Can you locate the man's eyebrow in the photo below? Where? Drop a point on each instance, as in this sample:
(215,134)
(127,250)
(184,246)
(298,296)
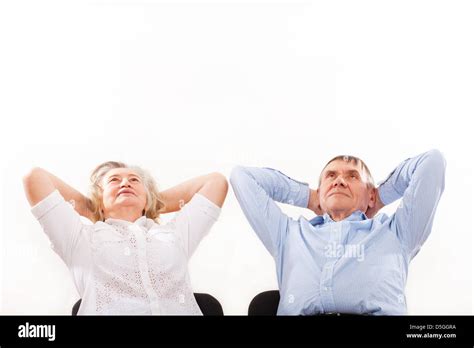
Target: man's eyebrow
(349,171)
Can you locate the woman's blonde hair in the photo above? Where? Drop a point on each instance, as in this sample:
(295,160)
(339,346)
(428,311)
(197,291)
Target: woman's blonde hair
(154,204)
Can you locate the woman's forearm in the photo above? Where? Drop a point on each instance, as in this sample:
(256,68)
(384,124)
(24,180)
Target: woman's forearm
(213,186)
(39,183)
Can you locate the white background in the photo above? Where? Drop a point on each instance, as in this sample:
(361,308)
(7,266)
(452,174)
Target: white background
(185,88)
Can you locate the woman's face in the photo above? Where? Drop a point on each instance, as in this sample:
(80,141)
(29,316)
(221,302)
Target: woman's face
(123,188)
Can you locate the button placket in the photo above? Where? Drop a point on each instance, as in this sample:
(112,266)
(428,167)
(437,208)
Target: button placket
(327,299)
(143,269)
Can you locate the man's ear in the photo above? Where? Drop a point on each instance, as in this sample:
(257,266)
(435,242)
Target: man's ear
(372,197)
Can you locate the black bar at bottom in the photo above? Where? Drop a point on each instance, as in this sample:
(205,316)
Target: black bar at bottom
(133,330)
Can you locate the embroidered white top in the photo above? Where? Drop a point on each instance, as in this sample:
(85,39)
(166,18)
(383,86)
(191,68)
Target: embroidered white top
(128,268)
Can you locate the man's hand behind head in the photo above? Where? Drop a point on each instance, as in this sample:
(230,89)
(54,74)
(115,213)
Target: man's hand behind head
(313,203)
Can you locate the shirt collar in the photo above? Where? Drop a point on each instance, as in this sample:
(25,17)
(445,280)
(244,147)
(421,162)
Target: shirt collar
(142,221)
(323,219)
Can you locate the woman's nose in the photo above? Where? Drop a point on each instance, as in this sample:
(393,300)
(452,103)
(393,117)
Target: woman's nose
(125,182)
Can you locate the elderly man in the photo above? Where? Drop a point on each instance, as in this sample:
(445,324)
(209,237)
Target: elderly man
(346,259)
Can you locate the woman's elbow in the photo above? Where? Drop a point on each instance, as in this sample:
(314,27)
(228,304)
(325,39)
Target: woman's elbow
(220,182)
(216,188)
(32,175)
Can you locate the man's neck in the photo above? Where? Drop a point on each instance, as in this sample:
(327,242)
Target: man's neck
(340,215)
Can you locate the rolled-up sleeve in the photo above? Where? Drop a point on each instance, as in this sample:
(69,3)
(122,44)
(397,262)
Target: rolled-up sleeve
(194,221)
(60,222)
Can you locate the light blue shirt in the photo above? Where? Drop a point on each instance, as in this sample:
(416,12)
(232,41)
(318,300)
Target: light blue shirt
(357,265)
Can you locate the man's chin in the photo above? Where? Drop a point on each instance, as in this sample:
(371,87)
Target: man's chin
(338,201)
(338,207)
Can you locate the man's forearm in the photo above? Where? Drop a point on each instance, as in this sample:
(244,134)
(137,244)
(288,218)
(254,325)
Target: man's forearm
(410,172)
(279,187)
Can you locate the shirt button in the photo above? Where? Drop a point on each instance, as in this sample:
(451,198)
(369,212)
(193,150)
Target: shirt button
(126,251)
(326,288)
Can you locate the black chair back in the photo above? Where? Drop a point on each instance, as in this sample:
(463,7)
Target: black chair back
(208,304)
(265,303)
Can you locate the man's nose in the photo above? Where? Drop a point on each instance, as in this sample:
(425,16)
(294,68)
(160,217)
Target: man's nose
(339,181)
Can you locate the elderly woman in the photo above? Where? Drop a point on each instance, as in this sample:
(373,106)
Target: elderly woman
(126,262)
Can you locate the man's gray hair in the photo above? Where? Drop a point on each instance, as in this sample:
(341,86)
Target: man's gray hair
(357,161)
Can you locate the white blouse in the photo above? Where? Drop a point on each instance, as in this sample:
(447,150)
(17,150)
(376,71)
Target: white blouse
(128,268)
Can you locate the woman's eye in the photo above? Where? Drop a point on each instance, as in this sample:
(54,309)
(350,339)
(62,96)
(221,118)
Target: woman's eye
(113,179)
(135,179)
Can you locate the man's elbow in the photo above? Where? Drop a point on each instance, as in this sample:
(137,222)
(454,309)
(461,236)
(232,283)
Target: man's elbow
(437,158)
(235,174)
(438,166)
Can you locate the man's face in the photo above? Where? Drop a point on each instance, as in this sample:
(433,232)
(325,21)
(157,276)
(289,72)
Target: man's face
(344,188)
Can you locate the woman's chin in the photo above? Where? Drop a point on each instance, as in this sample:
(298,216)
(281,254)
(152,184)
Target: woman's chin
(127,201)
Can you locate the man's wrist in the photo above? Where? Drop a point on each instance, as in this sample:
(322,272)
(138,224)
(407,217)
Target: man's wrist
(311,199)
(313,202)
